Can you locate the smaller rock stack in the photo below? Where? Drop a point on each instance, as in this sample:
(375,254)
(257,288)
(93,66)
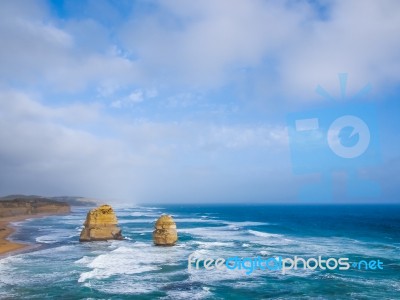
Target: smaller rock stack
(165,233)
(101,225)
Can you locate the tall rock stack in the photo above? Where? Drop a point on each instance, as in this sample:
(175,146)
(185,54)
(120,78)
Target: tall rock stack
(165,233)
(101,225)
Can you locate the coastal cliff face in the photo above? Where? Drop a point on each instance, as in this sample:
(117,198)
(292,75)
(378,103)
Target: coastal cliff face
(100,225)
(165,233)
(20,207)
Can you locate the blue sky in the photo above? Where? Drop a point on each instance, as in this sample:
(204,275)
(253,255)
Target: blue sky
(188,101)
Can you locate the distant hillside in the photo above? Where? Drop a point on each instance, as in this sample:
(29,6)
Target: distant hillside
(18,196)
(77,201)
(31,206)
(72,201)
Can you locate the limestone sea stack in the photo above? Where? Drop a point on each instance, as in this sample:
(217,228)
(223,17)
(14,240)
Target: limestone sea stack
(101,225)
(165,233)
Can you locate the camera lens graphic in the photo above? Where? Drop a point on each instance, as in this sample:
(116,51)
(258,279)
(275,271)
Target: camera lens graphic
(358,128)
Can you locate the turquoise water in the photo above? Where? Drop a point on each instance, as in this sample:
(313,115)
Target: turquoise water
(63,268)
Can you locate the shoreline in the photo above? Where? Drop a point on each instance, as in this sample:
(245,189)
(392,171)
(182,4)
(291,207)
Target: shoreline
(9,247)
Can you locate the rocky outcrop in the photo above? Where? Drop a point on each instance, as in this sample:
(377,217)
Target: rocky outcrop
(165,233)
(32,206)
(101,225)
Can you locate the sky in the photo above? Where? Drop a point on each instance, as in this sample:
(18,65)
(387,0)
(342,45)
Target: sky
(197,101)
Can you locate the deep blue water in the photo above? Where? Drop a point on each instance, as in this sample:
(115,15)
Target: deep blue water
(63,268)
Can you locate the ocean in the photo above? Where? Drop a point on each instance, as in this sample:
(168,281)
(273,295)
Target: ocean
(63,268)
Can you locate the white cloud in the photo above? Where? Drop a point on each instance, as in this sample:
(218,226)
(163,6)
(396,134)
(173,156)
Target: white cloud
(287,45)
(130,100)
(35,51)
(136,96)
(45,150)
(212,38)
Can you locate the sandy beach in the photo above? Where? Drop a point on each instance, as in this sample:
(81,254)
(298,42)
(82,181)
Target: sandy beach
(6,229)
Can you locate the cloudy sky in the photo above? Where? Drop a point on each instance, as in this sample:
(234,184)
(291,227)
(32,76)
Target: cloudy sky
(189,101)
